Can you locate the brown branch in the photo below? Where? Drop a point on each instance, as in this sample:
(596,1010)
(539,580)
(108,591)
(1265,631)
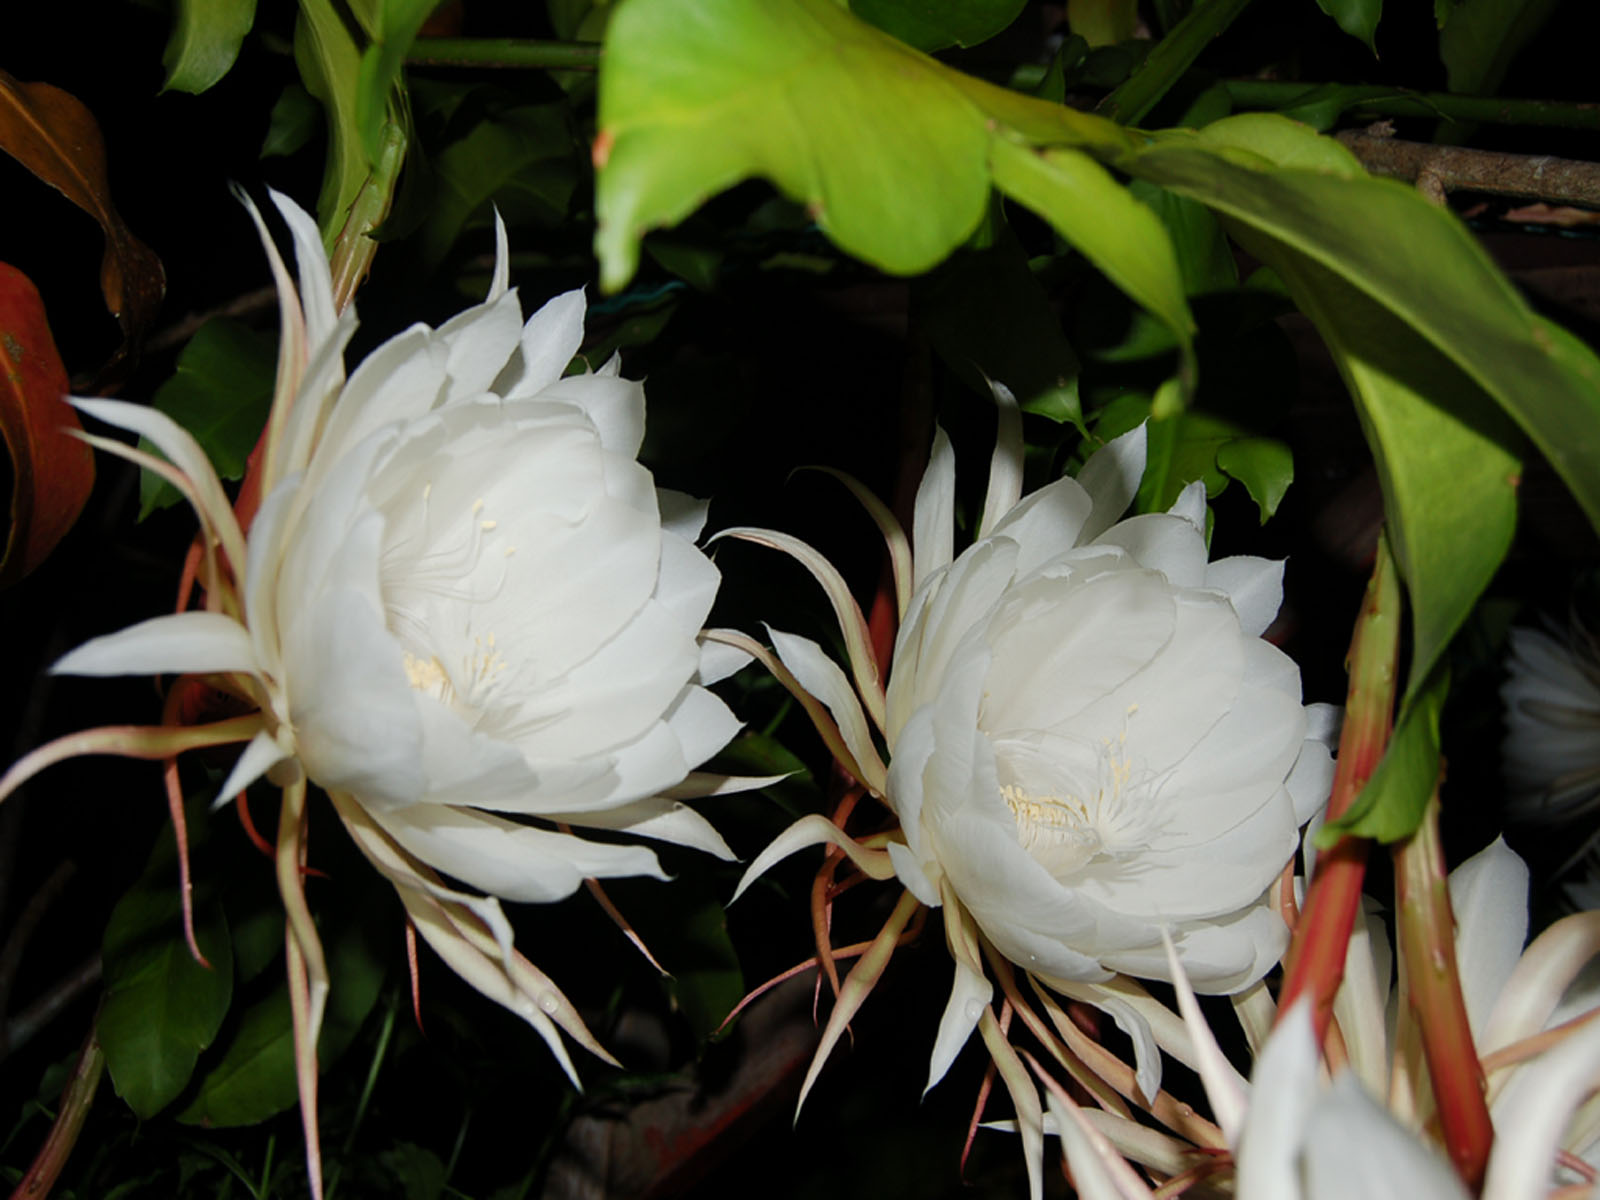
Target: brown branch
(19,1030)
(1456,169)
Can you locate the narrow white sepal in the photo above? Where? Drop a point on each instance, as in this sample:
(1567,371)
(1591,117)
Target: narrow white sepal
(189,643)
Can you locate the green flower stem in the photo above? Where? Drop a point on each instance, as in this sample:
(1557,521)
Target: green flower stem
(1371,100)
(1314,965)
(1426,932)
(521,53)
(353,250)
(76,1099)
(1169,59)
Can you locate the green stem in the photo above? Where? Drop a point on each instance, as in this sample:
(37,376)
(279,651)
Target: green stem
(1170,58)
(1426,932)
(354,248)
(76,1099)
(1371,100)
(504,52)
(1314,965)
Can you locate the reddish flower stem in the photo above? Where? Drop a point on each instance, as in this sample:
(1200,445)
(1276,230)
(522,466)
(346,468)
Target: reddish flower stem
(76,1099)
(1314,965)
(1425,928)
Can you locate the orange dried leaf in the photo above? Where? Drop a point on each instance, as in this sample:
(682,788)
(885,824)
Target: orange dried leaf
(52,471)
(51,133)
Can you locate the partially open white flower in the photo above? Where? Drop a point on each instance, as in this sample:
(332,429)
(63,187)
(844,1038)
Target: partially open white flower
(1552,744)
(1090,739)
(462,602)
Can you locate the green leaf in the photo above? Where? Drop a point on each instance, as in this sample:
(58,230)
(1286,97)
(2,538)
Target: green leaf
(1264,465)
(220,392)
(205,40)
(397,26)
(934,24)
(1391,804)
(989,318)
(515,155)
(1358,18)
(292,124)
(252,1075)
(330,63)
(1415,265)
(161,1007)
(1480,39)
(1205,261)
(1103,22)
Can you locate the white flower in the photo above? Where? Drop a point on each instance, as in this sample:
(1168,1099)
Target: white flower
(462,604)
(1091,742)
(1551,754)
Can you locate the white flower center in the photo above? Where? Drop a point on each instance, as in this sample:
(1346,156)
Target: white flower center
(1057,831)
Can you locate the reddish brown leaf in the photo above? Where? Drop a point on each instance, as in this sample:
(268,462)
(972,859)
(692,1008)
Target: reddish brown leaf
(52,472)
(51,133)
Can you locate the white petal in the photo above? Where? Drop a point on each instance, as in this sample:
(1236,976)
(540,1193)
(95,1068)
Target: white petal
(969,996)
(682,514)
(1390,1164)
(655,817)
(1047,523)
(1489,896)
(933,521)
(914,875)
(1191,506)
(825,680)
(686,585)
(260,756)
(189,643)
(316,282)
(500,281)
(718,661)
(479,341)
(614,404)
(1005,468)
(1089,1169)
(1111,478)
(550,339)
(1253,585)
(504,859)
(1163,543)
(702,723)
(1534,1112)
(1283,1091)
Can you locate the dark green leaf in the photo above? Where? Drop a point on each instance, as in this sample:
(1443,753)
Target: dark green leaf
(161,1007)
(934,24)
(220,393)
(989,318)
(419,1173)
(292,124)
(205,40)
(1264,465)
(1204,258)
(252,1076)
(1358,18)
(1391,804)
(1479,39)
(397,25)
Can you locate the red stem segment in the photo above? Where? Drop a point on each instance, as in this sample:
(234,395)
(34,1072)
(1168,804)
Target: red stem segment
(1427,936)
(1314,965)
(76,1098)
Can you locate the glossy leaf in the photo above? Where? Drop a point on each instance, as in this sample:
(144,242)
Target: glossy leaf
(205,40)
(1264,465)
(934,24)
(1358,18)
(220,393)
(253,1076)
(1479,38)
(55,137)
(51,472)
(161,1007)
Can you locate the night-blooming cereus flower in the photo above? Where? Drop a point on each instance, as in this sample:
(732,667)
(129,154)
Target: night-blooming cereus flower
(462,604)
(1552,706)
(1089,741)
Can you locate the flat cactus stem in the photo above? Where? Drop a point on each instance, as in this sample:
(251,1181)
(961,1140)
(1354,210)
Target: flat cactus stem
(1314,965)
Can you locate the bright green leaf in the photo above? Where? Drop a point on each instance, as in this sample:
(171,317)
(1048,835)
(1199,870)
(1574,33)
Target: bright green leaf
(934,24)
(220,393)
(161,1007)
(205,40)
(1103,22)
(1264,465)
(1358,18)
(1481,37)
(1391,804)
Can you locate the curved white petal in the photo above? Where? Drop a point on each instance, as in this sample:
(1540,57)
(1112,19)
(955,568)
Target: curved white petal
(1111,478)
(1005,468)
(189,643)
(1254,586)
(549,341)
(1489,897)
(658,818)
(933,519)
(824,679)
(1392,1164)
(969,996)
(261,754)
